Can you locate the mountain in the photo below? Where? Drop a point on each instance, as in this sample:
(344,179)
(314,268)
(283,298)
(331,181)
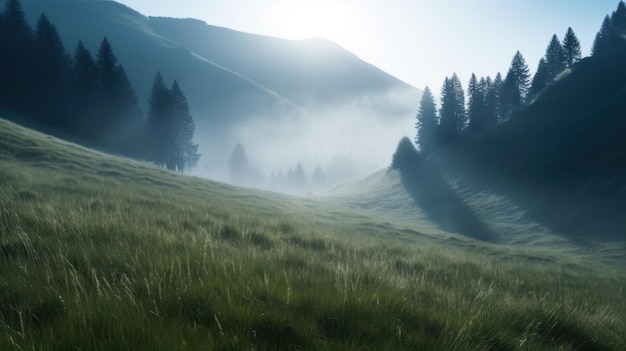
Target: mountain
(561,160)
(239,84)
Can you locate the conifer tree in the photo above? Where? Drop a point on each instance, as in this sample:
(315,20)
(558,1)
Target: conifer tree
(238,165)
(514,87)
(540,80)
(186,151)
(16,53)
(52,71)
(493,100)
(476,108)
(571,47)
(555,59)
(159,123)
(84,90)
(602,40)
(426,122)
(452,116)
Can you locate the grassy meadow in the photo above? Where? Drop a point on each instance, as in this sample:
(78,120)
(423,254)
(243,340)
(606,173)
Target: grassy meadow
(104,253)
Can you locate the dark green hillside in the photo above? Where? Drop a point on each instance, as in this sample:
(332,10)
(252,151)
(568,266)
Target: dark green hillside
(563,158)
(103,253)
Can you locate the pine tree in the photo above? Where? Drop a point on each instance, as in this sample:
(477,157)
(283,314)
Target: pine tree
(426,122)
(571,47)
(186,151)
(515,86)
(476,108)
(603,39)
(84,90)
(555,59)
(238,165)
(540,80)
(318,180)
(299,179)
(618,23)
(493,100)
(452,116)
(52,71)
(17,54)
(158,124)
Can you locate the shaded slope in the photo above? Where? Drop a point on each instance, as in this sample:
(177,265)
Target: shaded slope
(563,158)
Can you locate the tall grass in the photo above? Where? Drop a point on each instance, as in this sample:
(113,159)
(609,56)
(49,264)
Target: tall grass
(100,253)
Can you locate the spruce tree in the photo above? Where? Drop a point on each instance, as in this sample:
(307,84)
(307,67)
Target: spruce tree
(52,71)
(186,151)
(159,124)
(540,80)
(238,165)
(452,116)
(603,39)
(426,122)
(84,90)
(476,109)
(493,100)
(514,87)
(555,59)
(571,47)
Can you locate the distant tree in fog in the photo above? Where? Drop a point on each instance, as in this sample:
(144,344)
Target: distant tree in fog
(571,47)
(318,180)
(426,122)
(476,107)
(406,155)
(238,165)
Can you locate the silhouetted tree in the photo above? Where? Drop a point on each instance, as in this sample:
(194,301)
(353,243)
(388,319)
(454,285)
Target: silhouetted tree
(540,80)
(159,124)
(299,181)
(118,117)
(476,107)
(186,152)
(452,116)
(555,59)
(16,57)
(53,71)
(84,91)
(515,86)
(571,47)
(613,30)
(603,38)
(405,156)
(426,122)
(492,100)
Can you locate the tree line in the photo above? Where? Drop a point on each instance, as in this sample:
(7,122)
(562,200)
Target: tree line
(89,99)
(492,101)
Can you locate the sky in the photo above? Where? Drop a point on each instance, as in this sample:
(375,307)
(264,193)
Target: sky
(420,42)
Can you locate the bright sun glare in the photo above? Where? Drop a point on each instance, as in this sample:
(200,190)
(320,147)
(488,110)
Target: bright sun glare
(316,18)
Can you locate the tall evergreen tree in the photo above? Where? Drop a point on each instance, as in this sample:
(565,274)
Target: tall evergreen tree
(186,151)
(602,40)
(555,59)
(618,23)
(571,47)
(17,53)
(52,71)
(159,124)
(118,115)
(452,116)
(515,86)
(238,165)
(476,108)
(493,100)
(84,91)
(540,80)
(426,122)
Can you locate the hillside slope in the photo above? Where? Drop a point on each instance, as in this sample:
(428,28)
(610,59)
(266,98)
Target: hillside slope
(561,161)
(100,252)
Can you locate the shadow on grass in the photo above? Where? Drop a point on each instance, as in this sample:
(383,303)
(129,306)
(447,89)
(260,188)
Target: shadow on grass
(430,191)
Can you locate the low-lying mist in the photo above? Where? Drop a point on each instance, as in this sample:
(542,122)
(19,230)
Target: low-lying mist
(328,143)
